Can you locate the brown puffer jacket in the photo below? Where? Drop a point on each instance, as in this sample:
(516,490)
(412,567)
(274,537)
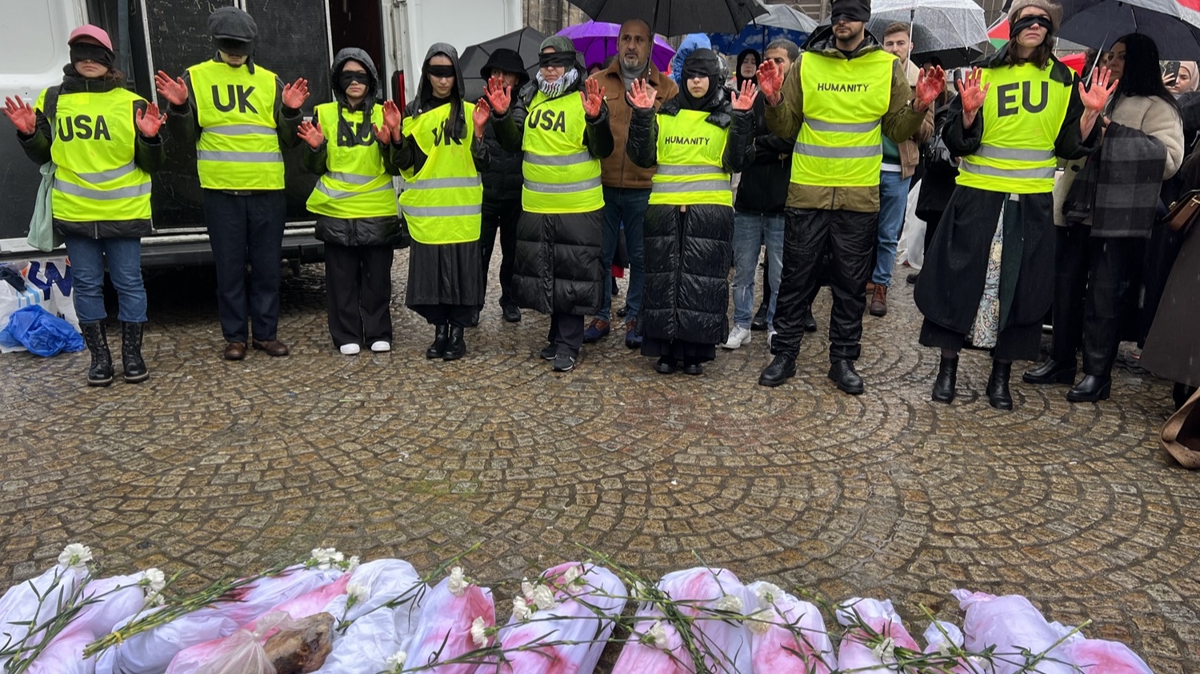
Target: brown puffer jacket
(617,170)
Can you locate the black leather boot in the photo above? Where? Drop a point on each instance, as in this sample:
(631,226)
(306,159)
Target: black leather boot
(441,337)
(1051,372)
(131,353)
(947,380)
(457,348)
(780,370)
(1090,389)
(997,386)
(101,371)
(842,372)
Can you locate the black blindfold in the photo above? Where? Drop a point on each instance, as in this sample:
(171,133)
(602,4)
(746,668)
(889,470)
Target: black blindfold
(348,77)
(84,51)
(556,59)
(440,71)
(234,47)
(1027,22)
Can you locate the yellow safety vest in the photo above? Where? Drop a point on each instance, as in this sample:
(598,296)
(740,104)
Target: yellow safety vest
(840,139)
(355,184)
(690,153)
(94,143)
(561,176)
(238,147)
(1022,114)
(444,201)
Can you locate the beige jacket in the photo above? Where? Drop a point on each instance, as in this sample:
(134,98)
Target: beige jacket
(617,170)
(1149,114)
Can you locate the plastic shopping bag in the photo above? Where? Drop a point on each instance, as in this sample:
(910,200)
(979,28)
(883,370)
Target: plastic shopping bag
(42,333)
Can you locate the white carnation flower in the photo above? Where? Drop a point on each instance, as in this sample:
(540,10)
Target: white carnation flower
(479,633)
(326,558)
(458,583)
(572,575)
(885,651)
(521,609)
(760,621)
(543,598)
(395,662)
(352,563)
(657,634)
(154,580)
(729,603)
(357,593)
(767,594)
(75,557)
(527,590)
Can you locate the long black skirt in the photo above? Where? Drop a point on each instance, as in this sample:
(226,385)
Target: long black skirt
(689,352)
(450,274)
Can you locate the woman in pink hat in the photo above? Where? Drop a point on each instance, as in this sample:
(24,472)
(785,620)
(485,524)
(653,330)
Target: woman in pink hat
(105,143)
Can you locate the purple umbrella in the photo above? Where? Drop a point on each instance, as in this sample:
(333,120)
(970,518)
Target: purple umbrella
(598,40)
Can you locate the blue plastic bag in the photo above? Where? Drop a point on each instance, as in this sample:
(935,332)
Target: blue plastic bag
(43,333)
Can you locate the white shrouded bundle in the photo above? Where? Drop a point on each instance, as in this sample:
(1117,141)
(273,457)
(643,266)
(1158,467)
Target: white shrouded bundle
(445,630)
(857,653)
(788,635)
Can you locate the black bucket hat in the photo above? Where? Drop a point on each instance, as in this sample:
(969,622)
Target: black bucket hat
(506,60)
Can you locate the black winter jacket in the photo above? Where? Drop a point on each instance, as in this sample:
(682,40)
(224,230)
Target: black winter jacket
(763,188)
(688,252)
(502,179)
(148,155)
(557,268)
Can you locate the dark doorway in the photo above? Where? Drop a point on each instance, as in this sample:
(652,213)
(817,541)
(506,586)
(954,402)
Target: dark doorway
(359,23)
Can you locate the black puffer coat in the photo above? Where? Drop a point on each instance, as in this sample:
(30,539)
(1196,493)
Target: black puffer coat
(688,254)
(377,231)
(557,268)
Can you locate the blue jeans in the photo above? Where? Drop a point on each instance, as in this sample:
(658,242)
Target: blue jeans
(124,256)
(750,230)
(893,202)
(627,207)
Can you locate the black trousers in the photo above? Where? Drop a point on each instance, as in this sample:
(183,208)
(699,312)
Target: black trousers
(358,293)
(1094,285)
(566,333)
(500,215)
(458,315)
(247,229)
(808,234)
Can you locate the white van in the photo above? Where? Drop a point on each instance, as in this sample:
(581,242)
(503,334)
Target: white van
(297,38)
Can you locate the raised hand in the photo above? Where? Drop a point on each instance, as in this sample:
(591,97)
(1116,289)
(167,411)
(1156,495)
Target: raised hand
(21,115)
(483,113)
(393,119)
(311,133)
(1095,98)
(642,95)
(972,95)
(930,84)
(770,81)
(151,121)
(498,94)
(295,94)
(593,98)
(745,100)
(384,134)
(174,90)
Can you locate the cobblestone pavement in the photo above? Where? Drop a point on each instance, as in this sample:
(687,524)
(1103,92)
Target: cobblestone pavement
(226,467)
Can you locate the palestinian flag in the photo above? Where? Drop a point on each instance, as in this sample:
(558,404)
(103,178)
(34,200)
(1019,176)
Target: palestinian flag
(998,33)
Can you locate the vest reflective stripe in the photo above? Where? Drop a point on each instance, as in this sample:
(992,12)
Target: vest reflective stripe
(563,188)
(840,142)
(568,160)
(355,184)
(690,155)
(94,144)
(1023,113)
(239,157)
(839,152)
(238,148)
(444,201)
(561,176)
(865,127)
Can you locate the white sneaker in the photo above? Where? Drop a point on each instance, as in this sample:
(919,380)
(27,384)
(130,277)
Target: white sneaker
(381,346)
(349,349)
(737,337)
(771,335)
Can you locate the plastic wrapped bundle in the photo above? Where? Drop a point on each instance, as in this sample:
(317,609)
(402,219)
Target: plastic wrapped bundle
(116,599)
(788,635)
(566,620)
(375,631)
(1098,655)
(657,648)
(151,652)
(444,631)
(871,650)
(1010,623)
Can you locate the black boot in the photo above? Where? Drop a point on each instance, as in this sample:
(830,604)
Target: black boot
(101,371)
(997,386)
(759,322)
(131,353)
(780,370)
(1051,372)
(947,380)
(1090,389)
(808,322)
(457,348)
(847,380)
(441,336)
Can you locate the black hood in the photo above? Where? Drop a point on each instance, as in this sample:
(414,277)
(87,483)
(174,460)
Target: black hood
(456,126)
(353,54)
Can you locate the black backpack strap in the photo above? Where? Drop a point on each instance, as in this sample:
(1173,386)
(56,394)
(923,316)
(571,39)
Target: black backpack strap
(50,107)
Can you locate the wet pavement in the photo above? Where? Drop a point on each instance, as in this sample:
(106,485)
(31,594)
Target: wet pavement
(222,467)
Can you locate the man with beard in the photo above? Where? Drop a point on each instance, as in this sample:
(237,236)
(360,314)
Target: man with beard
(626,185)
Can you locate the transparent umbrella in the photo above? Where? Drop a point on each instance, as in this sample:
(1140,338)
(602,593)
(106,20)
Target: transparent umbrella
(937,25)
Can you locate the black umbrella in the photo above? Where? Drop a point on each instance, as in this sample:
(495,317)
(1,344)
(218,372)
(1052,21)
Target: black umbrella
(949,58)
(525,42)
(676,17)
(1100,23)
